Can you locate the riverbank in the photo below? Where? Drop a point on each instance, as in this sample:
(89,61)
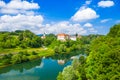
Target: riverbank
(33,70)
(16,50)
(16,56)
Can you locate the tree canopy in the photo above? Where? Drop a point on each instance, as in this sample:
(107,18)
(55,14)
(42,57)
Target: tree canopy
(19,38)
(103,61)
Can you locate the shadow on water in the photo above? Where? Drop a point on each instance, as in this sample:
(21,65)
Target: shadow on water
(45,69)
(40,69)
(67,56)
(21,67)
(37,62)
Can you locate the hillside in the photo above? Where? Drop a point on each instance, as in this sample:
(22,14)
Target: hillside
(21,46)
(102,63)
(19,39)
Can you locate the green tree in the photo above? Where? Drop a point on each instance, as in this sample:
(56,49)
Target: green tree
(60,76)
(17,58)
(103,63)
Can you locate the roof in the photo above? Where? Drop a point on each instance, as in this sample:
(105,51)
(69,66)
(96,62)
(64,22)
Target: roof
(62,34)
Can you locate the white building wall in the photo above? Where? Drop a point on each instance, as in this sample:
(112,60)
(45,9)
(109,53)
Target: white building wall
(73,38)
(61,38)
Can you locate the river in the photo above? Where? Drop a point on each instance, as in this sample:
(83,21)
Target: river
(41,69)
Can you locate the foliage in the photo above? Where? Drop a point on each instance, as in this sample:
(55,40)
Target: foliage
(18,41)
(115,31)
(49,39)
(74,71)
(19,38)
(102,63)
(18,57)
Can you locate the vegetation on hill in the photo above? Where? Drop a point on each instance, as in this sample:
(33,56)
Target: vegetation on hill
(102,63)
(19,39)
(21,46)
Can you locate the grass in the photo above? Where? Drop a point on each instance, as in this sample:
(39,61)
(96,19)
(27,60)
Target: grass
(15,50)
(40,51)
(47,52)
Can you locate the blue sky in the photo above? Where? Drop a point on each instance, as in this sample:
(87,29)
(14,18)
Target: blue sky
(59,16)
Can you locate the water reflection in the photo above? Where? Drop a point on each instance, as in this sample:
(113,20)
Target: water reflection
(21,67)
(41,69)
(45,69)
(63,58)
(67,56)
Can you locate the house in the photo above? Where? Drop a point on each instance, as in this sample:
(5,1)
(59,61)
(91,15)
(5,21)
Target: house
(74,38)
(43,36)
(61,62)
(62,37)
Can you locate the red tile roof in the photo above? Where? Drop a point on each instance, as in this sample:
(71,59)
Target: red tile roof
(62,34)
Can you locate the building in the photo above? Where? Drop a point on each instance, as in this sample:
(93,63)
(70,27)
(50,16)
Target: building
(73,38)
(62,37)
(61,62)
(43,36)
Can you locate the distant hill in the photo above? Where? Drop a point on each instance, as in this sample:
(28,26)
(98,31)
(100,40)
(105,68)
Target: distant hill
(19,38)
(40,35)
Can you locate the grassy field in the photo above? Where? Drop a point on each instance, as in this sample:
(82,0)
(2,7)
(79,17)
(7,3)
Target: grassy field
(40,51)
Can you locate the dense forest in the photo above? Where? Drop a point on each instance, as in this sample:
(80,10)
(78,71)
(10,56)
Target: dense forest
(23,45)
(102,62)
(22,39)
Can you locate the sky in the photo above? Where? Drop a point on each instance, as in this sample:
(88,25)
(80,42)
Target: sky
(59,16)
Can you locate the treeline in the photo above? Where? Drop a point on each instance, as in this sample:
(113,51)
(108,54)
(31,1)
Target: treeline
(27,39)
(102,63)
(81,44)
(19,57)
(21,67)
(19,39)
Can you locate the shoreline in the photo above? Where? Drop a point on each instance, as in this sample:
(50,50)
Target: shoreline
(3,66)
(45,53)
(39,54)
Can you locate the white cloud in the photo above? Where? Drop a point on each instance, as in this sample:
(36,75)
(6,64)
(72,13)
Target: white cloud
(63,27)
(24,5)
(25,18)
(84,14)
(105,4)
(92,30)
(17,6)
(11,23)
(35,24)
(105,20)
(89,25)
(88,2)
(2,4)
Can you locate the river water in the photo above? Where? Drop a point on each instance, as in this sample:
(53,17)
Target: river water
(41,69)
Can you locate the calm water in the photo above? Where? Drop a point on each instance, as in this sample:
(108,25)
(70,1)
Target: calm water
(45,69)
